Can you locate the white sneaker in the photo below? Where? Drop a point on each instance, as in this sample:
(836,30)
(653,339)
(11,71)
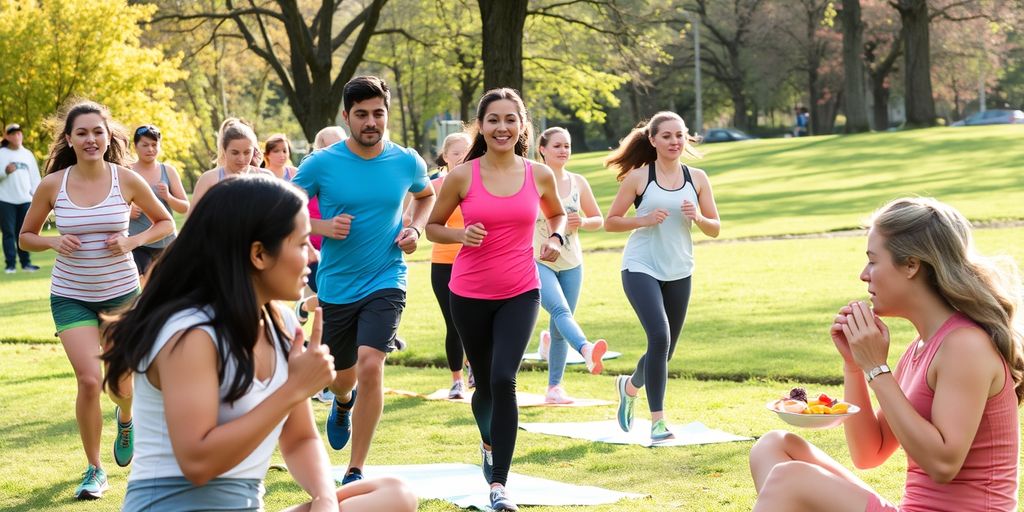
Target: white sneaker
(557,395)
(593,355)
(545,345)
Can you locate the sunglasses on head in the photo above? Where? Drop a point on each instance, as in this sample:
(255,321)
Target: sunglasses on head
(147,131)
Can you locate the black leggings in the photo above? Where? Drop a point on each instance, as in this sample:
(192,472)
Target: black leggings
(661,307)
(495,334)
(440,275)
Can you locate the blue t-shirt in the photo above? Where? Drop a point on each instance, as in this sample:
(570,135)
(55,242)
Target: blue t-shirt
(372,191)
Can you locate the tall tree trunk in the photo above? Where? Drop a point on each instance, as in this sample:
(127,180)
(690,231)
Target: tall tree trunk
(917,70)
(739,108)
(880,97)
(855,103)
(502,48)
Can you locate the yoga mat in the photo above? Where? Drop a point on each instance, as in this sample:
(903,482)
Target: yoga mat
(609,432)
(464,485)
(522,398)
(572,357)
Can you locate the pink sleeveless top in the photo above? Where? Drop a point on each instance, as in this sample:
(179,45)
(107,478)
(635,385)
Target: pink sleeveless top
(988,479)
(502,266)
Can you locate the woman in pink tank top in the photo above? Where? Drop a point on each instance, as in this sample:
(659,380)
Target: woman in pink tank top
(494,284)
(951,402)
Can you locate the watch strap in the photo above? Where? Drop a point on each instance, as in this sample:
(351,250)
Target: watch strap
(878,370)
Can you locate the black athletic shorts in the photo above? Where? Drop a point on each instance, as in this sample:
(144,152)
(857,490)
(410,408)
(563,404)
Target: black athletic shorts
(369,322)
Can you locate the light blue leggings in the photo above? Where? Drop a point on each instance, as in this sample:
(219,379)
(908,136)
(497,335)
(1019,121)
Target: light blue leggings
(559,293)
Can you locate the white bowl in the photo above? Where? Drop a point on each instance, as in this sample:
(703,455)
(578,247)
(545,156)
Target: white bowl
(815,421)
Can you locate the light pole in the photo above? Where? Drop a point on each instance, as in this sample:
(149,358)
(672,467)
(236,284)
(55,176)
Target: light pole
(695,22)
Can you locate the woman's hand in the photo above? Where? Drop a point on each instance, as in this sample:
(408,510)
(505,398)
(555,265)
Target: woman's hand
(136,212)
(690,211)
(654,218)
(119,244)
(550,250)
(65,245)
(572,220)
(473,235)
(310,368)
(839,337)
(867,335)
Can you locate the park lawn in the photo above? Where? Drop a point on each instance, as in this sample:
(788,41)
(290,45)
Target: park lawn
(760,309)
(38,437)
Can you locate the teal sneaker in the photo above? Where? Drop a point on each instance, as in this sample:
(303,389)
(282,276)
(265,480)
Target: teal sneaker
(94,482)
(339,422)
(660,432)
(626,404)
(124,441)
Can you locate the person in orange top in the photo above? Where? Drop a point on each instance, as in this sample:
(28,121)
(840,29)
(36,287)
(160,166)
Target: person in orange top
(453,150)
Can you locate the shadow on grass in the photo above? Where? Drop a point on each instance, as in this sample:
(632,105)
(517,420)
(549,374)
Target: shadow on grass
(37,433)
(37,378)
(48,498)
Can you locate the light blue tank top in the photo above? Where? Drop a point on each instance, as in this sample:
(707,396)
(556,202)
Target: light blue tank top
(663,251)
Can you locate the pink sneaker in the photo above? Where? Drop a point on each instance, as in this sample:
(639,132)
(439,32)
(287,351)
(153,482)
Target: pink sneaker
(545,345)
(593,355)
(556,395)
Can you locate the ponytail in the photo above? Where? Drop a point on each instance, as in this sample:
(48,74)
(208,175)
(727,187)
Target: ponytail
(636,150)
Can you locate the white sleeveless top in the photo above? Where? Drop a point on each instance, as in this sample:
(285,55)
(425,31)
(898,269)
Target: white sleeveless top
(572,253)
(663,251)
(154,455)
(92,273)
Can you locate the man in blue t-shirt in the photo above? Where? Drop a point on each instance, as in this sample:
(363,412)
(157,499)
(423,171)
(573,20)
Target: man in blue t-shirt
(361,184)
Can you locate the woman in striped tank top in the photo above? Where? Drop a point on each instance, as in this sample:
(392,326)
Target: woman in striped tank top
(657,263)
(951,401)
(236,143)
(89,190)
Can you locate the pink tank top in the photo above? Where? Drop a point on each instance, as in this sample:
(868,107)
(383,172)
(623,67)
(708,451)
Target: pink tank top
(988,479)
(502,266)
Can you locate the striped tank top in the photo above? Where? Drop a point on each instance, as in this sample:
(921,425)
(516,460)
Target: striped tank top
(92,273)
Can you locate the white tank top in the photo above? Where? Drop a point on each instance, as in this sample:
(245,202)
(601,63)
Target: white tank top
(92,273)
(154,455)
(663,251)
(572,253)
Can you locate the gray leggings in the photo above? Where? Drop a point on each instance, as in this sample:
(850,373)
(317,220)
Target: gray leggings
(661,308)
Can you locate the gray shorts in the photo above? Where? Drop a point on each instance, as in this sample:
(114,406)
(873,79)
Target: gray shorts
(176,494)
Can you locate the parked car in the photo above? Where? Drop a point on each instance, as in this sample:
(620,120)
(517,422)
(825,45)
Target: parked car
(995,116)
(725,135)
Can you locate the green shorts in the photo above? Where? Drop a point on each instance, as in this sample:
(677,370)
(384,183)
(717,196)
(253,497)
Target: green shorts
(70,313)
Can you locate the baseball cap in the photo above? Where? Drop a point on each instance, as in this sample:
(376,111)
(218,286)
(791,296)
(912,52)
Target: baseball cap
(11,128)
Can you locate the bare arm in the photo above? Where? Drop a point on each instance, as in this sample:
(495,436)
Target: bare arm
(203,184)
(30,238)
(139,193)
(456,184)
(628,191)
(420,206)
(176,199)
(707,219)
(592,220)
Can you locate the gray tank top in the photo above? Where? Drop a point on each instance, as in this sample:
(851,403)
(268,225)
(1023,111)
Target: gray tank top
(136,226)
(663,251)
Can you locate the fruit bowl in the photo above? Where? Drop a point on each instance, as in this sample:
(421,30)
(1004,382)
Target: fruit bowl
(812,421)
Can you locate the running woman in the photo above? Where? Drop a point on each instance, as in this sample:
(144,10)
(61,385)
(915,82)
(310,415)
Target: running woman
(657,262)
(361,184)
(494,284)
(89,190)
(442,256)
(952,400)
(221,373)
(278,156)
(562,279)
(166,184)
(236,145)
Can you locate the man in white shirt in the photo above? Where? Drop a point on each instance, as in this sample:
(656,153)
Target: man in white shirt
(19,177)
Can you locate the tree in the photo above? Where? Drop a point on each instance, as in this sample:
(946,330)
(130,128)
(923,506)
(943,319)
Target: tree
(883,46)
(53,55)
(502,48)
(304,62)
(854,104)
(916,37)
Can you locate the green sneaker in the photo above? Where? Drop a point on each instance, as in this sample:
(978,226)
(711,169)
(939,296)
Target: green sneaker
(626,404)
(660,432)
(124,441)
(94,482)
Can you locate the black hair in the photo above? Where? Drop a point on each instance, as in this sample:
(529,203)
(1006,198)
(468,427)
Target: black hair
(362,88)
(62,155)
(147,130)
(479,146)
(193,272)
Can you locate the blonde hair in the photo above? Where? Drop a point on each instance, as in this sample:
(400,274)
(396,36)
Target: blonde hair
(636,151)
(448,141)
(320,141)
(231,129)
(987,293)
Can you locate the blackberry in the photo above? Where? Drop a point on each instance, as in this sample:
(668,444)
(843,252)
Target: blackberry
(798,394)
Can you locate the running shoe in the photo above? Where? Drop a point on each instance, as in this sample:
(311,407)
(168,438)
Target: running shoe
(470,379)
(557,395)
(94,482)
(353,475)
(9,270)
(660,432)
(544,348)
(500,501)
(124,442)
(300,310)
(29,268)
(594,357)
(626,404)
(456,392)
(339,422)
(324,396)
(487,462)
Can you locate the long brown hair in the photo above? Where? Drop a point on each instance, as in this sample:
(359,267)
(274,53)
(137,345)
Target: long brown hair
(62,155)
(231,129)
(479,146)
(940,237)
(636,150)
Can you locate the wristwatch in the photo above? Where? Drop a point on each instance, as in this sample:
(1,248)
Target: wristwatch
(878,370)
(561,239)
